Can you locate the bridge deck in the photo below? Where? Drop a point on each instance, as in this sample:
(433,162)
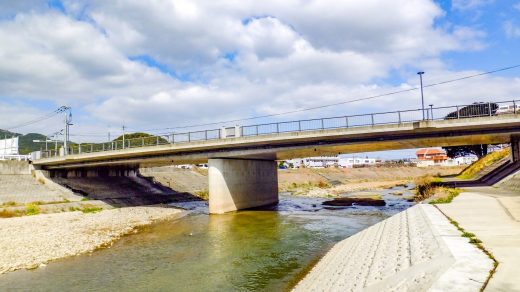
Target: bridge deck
(479,130)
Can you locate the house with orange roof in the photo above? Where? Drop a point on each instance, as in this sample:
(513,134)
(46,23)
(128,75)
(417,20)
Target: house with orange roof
(430,157)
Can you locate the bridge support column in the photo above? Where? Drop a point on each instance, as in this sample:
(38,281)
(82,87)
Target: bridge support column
(515,148)
(236,184)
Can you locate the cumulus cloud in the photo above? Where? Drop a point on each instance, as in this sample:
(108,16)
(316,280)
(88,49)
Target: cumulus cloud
(168,63)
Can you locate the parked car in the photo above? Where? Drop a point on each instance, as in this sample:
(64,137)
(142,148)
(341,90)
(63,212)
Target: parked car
(507,109)
(477,109)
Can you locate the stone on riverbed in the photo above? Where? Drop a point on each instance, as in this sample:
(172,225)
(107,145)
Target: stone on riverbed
(358,199)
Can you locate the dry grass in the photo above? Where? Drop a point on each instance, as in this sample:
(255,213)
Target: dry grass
(471,171)
(5,213)
(359,175)
(203,194)
(89,208)
(425,187)
(444,195)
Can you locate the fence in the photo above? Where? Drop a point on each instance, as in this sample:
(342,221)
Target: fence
(382,118)
(14,157)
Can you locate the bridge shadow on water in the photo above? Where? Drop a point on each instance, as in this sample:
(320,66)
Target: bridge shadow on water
(124,191)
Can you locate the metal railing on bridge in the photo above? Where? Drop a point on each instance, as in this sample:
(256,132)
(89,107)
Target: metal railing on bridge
(480,109)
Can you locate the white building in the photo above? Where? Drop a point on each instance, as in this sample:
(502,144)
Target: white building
(358,162)
(320,161)
(9,150)
(9,146)
(331,161)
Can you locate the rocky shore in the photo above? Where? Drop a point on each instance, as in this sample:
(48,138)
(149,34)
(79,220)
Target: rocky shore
(32,241)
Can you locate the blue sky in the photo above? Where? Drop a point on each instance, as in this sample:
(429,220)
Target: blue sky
(159,65)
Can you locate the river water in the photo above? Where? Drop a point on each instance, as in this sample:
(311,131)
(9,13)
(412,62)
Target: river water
(260,250)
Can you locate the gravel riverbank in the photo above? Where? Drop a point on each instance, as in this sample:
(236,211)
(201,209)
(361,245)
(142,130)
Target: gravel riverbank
(32,241)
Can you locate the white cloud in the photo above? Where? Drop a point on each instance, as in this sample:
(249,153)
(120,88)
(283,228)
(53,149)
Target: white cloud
(470,4)
(511,30)
(517,6)
(282,55)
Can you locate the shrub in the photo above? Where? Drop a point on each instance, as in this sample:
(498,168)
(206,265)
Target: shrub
(323,185)
(425,187)
(203,194)
(8,213)
(474,240)
(447,195)
(32,209)
(88,208)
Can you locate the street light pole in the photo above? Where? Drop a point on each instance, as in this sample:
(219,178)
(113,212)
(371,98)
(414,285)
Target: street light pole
(422,94)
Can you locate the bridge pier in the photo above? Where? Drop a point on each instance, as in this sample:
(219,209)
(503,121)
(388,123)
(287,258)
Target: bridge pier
(515,148)
(236,184)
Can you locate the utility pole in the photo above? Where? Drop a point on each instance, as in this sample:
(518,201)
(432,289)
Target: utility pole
(123,136)
(422,94)
(68,122)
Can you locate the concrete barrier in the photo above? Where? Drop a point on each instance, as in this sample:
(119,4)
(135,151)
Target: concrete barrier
(14,167)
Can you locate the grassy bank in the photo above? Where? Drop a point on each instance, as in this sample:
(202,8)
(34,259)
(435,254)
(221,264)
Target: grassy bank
(471,171)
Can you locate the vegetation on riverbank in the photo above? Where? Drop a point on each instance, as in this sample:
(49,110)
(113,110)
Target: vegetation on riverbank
(444,195)
(428,187)
(471,171)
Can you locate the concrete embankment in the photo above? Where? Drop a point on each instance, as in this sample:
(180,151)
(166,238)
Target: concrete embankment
(493,215)
(17,184)
(415,250)
(32,241)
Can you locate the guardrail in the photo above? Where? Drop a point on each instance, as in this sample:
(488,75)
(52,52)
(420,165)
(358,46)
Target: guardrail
(14,157)
(351,121)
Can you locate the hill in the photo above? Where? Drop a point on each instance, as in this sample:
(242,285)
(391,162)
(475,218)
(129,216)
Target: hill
(26,144)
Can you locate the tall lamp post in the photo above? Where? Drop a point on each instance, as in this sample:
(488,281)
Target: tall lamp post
(422,94)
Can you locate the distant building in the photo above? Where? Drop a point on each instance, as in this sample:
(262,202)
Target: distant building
(358,162)
(9,146)
(431,154)
(437,157)
(320,161)
(331,161)
(9,150)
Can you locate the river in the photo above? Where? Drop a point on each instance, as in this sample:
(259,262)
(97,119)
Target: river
(257,250)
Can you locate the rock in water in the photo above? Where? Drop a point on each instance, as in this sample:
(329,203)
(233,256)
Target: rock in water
(355,201)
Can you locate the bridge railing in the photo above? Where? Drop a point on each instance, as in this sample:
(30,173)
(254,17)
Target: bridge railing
(350,121)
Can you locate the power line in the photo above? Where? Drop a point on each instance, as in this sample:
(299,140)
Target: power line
(39,119)
(338,103)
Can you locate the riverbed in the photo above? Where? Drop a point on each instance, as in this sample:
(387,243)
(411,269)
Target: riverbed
(255,250)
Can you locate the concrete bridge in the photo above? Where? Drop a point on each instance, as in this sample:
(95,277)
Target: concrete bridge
(242,166)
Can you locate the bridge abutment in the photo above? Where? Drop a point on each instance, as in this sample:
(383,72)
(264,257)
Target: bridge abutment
(236,184)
